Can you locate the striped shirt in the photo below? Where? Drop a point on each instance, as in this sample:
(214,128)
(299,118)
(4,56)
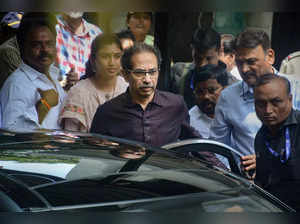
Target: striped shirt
(73,50)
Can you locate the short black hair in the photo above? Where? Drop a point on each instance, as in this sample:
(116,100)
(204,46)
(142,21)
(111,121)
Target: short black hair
(98,43)
(33,20)
(135,49)
(205,39)
(129,14)
(269,77)
(211,71)
(227,41)
(251,39)
(125,34)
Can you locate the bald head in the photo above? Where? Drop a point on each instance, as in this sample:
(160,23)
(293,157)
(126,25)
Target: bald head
(273,101)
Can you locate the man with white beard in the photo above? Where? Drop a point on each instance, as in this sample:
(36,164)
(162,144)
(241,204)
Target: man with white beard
(74,38)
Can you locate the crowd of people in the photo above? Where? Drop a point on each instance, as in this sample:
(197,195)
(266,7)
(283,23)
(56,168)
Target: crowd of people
(65,73)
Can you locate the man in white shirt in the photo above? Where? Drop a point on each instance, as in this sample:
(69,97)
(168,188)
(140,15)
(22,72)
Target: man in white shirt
(209,81)
(32,96)
(227,55)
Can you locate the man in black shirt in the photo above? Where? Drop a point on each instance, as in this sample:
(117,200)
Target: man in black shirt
(143,113)
(277,143)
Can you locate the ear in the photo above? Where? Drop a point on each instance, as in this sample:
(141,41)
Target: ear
(291,98)
(270,56)
(125,74)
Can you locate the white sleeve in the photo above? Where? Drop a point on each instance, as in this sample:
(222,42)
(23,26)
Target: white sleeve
(17,110)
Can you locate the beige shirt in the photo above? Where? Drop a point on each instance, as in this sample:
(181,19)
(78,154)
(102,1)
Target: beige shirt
(82,102)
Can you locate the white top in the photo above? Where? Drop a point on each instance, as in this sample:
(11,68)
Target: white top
(200,121)
(19,96)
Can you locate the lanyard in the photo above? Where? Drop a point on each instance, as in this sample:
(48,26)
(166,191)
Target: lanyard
(285,151)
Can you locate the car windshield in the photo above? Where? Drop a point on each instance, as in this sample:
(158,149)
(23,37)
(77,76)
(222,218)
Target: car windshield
(58,170)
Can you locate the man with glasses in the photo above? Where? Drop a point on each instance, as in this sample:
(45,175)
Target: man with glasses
(235,122)
(209,81)
(144,113)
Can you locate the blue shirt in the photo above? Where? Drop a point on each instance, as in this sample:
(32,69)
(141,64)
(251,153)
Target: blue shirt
(19,96)
(235,122)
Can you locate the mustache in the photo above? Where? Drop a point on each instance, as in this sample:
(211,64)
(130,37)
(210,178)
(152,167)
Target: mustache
(146,86)
(206,102)
(249,73)
(45,54)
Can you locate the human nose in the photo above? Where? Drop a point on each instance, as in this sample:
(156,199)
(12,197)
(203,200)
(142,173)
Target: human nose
(268,109)
(205,94)
(147,77)
(111,60)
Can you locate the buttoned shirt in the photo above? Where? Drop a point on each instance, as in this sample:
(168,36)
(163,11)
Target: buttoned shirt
(19,96)
(164,120)
(200,121)
(280,179)
(235,122)
(73,50)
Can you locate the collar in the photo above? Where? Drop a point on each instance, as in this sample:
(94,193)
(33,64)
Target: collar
(33,74)
(246,89)
(275,71)
(249,90)
(158,99)
(64,24)
(202,114)
(291,120)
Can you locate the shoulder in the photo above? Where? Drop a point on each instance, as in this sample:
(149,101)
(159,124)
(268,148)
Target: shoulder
(121,83)
(93,29)
(294,80)
(170,98)
(149,39)
(194,111)
(81,90)
(17,85)
(290,64)
(233,90)
(114,104)
(18,76)
(82,85)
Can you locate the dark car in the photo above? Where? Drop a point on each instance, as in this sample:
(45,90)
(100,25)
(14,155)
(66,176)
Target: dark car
(67,171)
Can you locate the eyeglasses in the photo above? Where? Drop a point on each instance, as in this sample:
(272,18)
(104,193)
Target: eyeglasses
(140,73)
(202,92)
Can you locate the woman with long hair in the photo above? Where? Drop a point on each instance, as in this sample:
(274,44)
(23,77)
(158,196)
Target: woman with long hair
(102,83)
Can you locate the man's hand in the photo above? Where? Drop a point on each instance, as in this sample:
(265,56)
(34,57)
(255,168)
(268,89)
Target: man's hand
(249,164)
(50,96)
(51,99)
(72,79)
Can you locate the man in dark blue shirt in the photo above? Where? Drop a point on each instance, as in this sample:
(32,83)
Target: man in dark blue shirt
(277,143)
